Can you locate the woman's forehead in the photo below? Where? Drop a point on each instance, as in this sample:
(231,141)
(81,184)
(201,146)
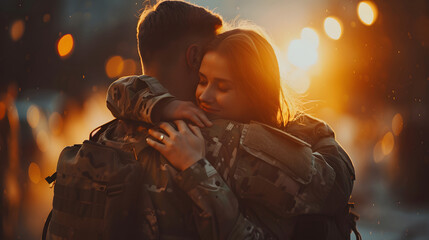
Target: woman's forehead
(215,65)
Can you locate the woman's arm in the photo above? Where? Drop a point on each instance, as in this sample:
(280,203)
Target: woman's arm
(217,214)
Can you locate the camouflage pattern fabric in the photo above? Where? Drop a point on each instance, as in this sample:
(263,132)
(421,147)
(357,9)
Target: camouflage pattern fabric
(142,92)
(272,188)
(192,204)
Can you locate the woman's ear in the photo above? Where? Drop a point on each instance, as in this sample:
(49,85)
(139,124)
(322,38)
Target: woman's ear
(193,56)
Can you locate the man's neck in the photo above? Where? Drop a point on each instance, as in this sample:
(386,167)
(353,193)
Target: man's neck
(174,80)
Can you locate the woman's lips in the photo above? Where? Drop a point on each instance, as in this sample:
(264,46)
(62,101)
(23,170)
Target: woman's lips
(209,109)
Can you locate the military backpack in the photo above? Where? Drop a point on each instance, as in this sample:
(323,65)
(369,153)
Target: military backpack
(96,193)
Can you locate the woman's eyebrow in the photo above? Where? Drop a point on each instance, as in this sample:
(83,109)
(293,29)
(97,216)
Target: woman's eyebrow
(202,75)
(223,80)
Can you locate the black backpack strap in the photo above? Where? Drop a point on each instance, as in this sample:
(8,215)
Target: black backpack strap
(45,227)
(95,134)
(51,178)
(353,217)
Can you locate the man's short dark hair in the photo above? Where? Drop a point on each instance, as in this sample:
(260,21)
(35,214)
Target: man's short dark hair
(171,22)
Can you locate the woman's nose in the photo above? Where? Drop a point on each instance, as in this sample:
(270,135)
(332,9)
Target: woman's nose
(207,95)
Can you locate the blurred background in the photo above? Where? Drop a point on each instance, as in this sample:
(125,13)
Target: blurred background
(362,66)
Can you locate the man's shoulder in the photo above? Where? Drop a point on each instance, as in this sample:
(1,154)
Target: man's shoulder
(122,133)
(309,128)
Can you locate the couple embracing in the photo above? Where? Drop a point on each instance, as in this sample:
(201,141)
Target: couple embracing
(222,153)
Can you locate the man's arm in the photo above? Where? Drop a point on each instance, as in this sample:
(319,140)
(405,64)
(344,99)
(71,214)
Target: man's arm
(135,98)
(143,98)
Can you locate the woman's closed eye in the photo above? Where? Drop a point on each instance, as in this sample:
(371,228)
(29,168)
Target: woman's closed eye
(224,87)
(202,82)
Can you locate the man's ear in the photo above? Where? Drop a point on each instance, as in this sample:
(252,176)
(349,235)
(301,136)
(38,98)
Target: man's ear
(193,56)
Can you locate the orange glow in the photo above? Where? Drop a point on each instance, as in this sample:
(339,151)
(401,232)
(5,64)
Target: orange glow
(34,172)
(65,45)
(130,67)
(46,18)
(303,52)
(333,27)
(367,12)
(33,116)
(397,124)
(42,141)
(387,143)
(310,35)
(114,66)
(55,123)
(2,110)
(299,81)
(17,30)
(12,189)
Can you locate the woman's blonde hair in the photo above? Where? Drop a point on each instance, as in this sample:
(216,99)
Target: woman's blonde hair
(253,61)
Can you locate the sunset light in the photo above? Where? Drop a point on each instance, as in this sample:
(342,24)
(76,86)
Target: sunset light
(303,52)
(333,28)
(65,45)
(367,12)
(339,87)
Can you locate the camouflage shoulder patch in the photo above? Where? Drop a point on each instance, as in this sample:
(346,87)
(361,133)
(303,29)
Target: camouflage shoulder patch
(288,153)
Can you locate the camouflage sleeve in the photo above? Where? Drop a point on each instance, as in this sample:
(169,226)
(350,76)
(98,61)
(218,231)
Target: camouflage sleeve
(270,167)
(277,176)
(216,207)
(135,98)
(327,152)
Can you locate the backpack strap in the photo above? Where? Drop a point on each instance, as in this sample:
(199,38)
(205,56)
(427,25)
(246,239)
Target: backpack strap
(95,134)
(45,227)
(352,218)
(51,178)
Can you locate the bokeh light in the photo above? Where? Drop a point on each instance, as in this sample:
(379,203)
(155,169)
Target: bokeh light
(42,140)
(387,143)
(378,155)
(333,27)
(303,52)
(34,172)
(65,45)
(310,35)
(114,66)
(397,124)
(130,67)
(33,116)
(17,30)
(367,12)
(46,18)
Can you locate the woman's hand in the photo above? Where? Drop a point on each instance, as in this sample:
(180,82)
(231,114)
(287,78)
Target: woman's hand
(177,109)
(183,147)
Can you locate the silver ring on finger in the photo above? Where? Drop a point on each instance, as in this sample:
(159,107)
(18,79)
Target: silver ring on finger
(161,138)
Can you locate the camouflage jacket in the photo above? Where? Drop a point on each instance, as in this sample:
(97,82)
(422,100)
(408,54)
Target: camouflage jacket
(268,177)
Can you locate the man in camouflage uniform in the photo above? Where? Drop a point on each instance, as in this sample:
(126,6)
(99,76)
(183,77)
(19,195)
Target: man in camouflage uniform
(195,203)
(256,182)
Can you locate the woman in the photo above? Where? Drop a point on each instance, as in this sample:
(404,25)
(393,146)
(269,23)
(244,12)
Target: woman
(240,81)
